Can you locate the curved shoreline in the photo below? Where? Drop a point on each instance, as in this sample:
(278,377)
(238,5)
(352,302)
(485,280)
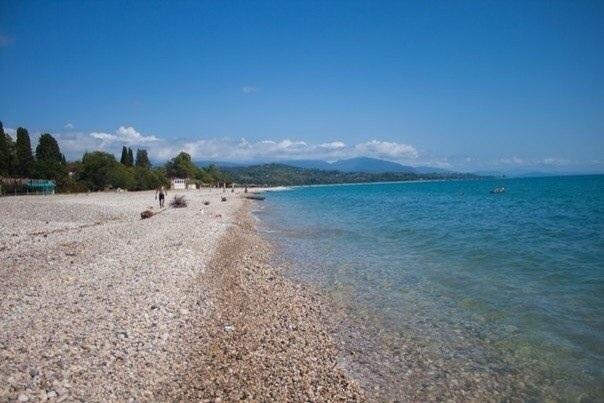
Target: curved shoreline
(264,338)
(99,305)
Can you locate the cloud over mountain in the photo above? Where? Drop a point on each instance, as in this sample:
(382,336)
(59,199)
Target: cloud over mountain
(75,143)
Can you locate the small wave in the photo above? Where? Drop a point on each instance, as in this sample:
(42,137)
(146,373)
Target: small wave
(278,189)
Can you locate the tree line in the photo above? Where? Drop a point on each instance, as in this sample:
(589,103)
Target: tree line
(97,170)
(286,175)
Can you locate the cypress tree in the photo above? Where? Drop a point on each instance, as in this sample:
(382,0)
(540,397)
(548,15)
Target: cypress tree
(124,158)
(25,158)
(48,149)
(12,155)
(5,153)
(50,163)
(130,157)
(142,159)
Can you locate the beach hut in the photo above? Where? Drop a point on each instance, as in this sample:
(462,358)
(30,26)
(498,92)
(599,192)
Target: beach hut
(43,186)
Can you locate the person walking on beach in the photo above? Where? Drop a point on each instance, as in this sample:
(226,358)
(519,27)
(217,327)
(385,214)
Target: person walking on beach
(162,192)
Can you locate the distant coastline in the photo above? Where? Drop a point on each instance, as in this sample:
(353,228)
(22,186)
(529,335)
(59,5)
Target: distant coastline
(285,175)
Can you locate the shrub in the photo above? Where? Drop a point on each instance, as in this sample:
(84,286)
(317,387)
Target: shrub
(178,201)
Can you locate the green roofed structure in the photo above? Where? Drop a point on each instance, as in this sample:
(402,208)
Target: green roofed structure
(41,186)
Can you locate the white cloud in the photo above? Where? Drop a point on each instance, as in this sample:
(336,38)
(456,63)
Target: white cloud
(249,89)
(10,132)
(74,144)
(386,149)
(124,135)
(69,126)
(334,145)
(104,136)
(244,150)
(533,162)
(281,147)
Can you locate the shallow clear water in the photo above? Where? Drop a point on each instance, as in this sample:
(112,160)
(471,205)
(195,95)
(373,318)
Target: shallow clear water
(523,270)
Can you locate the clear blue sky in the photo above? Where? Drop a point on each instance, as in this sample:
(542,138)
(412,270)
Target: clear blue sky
(465,84)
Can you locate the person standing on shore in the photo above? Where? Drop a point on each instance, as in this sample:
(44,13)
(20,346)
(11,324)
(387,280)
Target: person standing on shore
(162,192)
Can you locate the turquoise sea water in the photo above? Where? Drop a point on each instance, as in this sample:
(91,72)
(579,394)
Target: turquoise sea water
(512,283)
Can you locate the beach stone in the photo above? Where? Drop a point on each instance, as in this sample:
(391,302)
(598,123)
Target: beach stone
(61,391)
(111,327)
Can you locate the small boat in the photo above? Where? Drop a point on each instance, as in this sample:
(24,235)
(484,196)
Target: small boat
(255,197)
(498,190)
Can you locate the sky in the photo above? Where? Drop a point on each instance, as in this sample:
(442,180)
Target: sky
(464,85)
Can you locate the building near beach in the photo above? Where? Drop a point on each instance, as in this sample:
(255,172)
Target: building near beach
(27,186)
(178,183)
(43,186)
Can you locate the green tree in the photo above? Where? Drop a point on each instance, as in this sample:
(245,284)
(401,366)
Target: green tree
(204,176)
(215,174)
(12,156)
(50,163)
(48,149)
(50,169)
(149,178)
(142,159)
(120,176)
(25,158)
(95,169)
(181,166)
(130,157)
(5,153)
(124,158)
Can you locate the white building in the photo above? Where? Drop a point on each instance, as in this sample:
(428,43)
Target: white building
(178,184)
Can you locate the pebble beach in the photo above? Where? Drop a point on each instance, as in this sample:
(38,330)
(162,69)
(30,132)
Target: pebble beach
(97,304)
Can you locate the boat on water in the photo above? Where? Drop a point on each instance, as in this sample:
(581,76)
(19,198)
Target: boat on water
(498,190)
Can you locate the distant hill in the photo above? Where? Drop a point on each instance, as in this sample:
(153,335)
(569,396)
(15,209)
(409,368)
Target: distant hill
(220,164)
(359,164)
(309,164)
(362,164)
(371,165)
(287,175)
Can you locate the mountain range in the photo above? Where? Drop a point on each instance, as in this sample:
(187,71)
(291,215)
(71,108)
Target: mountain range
(276,174)
(359,164)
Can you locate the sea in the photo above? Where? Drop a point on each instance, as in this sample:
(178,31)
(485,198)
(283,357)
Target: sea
(443,289)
